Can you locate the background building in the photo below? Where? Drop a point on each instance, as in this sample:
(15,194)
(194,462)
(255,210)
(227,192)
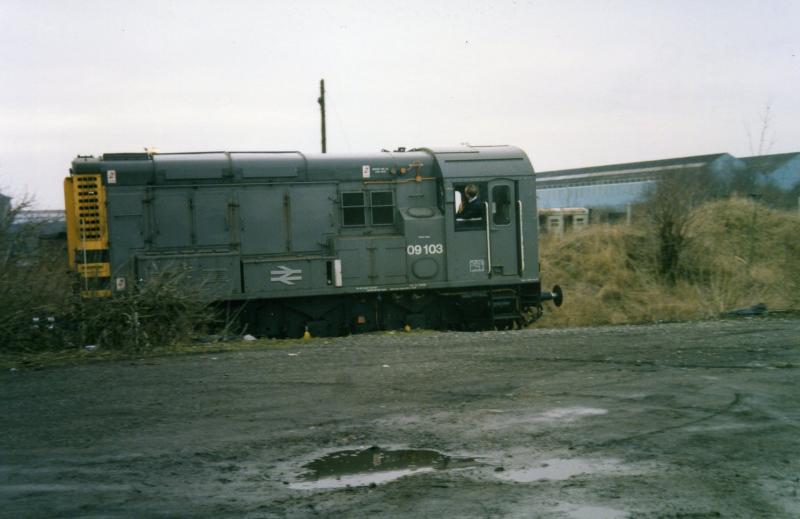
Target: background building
(47,224)
(26,232)
(781,170)
(613,187)
(609,191)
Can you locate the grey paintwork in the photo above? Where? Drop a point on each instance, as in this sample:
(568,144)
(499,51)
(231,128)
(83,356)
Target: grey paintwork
(269,225)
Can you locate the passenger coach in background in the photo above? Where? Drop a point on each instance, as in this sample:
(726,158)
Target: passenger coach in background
(328,243)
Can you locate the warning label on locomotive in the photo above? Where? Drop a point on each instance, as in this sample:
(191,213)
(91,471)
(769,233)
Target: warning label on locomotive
(365,171)
(477,265)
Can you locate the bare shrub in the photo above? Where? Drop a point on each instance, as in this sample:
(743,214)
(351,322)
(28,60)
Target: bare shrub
(35,288)
(40,306)
(159,312)
(669,213)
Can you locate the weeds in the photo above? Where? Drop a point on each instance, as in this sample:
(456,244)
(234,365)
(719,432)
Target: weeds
(40,309)
(35,290)
(158,313)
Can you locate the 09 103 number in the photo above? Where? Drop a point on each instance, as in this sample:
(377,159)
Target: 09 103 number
(428,248)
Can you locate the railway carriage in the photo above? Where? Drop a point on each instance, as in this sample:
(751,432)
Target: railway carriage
(327,243)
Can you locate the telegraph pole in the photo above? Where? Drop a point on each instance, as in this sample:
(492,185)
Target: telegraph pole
(321,101)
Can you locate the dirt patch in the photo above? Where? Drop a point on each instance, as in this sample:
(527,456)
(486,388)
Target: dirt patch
(674,420)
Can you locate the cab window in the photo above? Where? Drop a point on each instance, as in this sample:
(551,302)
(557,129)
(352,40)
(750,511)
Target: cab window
(468,202)
(353,209)
(501,205)
(382,207)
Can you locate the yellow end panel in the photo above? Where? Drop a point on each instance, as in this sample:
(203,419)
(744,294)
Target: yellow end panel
(94,270)
(90,209)
(72,221)
(87,232)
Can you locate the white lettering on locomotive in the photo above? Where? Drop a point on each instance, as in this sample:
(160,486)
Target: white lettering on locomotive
(428,248)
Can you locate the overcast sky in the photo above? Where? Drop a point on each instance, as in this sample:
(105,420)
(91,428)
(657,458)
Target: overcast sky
(574,83)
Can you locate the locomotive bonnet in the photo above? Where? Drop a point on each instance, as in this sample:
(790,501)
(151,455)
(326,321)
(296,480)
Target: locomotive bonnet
(329,243)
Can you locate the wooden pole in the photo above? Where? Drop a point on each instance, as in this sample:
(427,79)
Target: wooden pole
(321,101)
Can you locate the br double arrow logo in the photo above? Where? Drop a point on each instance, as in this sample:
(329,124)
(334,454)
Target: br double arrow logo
(285,275)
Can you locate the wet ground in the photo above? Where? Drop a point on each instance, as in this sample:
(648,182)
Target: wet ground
(674,420)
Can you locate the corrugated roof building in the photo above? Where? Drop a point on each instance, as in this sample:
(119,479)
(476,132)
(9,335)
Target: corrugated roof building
(781,170)
(613,187)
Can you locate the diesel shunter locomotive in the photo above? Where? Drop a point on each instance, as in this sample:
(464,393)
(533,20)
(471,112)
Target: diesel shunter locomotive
(327,243)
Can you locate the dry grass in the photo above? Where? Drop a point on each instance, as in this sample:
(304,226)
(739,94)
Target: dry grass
(744,252)
(738,253)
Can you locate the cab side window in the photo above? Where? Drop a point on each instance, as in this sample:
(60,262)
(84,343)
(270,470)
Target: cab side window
(382,207)
(501,205)
(353,209)
(361,208)
(470,210)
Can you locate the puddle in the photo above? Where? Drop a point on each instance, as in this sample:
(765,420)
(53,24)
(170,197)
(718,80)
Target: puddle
(559,469)
(372,466)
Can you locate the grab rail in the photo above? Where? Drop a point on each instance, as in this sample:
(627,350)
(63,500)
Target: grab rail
(521,238)
(488,239)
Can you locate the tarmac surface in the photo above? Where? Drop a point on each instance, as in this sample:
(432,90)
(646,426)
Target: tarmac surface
(669,420)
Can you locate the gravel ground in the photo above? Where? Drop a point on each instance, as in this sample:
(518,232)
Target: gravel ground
(672,420)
